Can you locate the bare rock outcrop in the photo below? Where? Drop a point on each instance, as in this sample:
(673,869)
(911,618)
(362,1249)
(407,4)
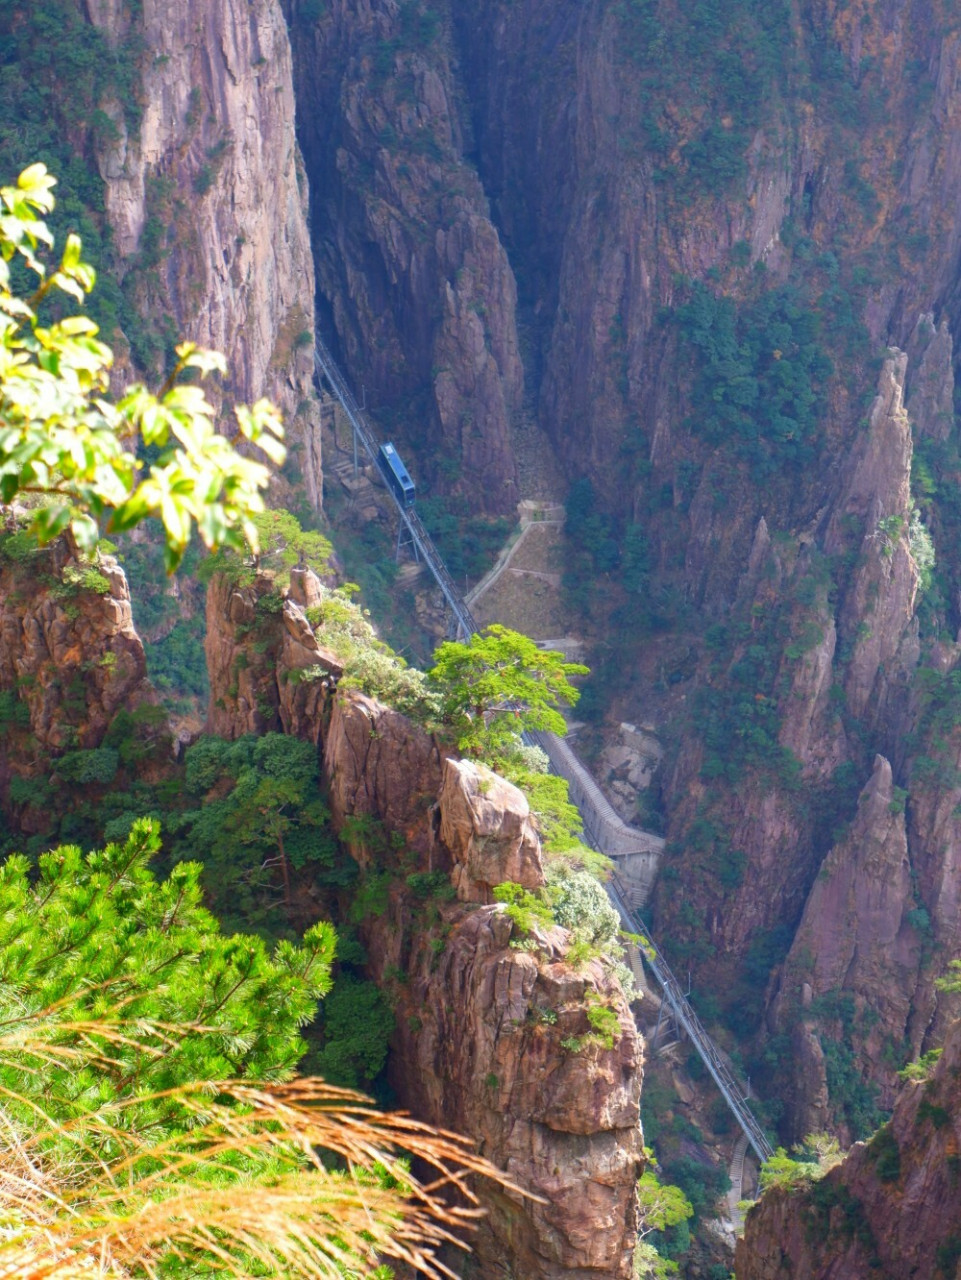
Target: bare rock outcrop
(479,1047)
(889,1212)
(258,641)
(379,766)
(486,824)
(877,614)
(68,647)
(214,165)
(929,396)
(857,936)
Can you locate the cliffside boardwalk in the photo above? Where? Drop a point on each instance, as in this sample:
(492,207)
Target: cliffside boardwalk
(603,828)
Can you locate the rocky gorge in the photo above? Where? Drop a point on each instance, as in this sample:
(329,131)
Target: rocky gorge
(708,256)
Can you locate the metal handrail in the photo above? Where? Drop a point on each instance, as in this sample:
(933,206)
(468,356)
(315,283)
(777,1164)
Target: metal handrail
(735,1095)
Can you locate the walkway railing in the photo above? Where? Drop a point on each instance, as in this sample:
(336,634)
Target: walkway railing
(603,827)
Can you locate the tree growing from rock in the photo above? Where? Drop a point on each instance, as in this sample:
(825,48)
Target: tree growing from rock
(660,1206)
(500,684)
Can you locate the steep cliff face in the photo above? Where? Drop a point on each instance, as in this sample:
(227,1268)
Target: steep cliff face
(493,1034)
(207,199)
(690,216)
(487,1034)
(860,935)
(479,1046)
(493,1030)
(890,1210)
(69,653)
(612,187)
(416,284)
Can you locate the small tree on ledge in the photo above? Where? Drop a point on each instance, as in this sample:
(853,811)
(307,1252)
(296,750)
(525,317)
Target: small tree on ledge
(499,685)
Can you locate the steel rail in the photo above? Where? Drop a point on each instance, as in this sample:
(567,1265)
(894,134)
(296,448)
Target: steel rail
(421,539)
(734,1093)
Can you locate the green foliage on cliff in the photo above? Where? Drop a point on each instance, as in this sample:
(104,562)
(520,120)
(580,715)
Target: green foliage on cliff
(69,451)
(661,1209)
(256,817)
(469,544)
(357,1024)
(759,374)
(284,543)
(854,1099)
(499,684)
(724,60)
(525,909)
(817,1155)
(58,73)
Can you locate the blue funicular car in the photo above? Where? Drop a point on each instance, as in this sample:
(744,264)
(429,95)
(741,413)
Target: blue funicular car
(396,475)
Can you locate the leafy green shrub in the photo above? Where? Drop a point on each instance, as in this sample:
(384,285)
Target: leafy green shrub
(921,546)
(12,710)
(929,1111)
(579,903)
(387,677)
(759,373)
(372,897)
(884,1152)
(31,791)
(431,884)
(854,1098)
(702,1184)
(921,1070)
(357,1023)
(524,908)
(97,765)
(260,816)
(19,547)
(80,580)
(605,1024)
(139,735)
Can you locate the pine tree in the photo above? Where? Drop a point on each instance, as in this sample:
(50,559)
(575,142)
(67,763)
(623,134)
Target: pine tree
(499,684)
